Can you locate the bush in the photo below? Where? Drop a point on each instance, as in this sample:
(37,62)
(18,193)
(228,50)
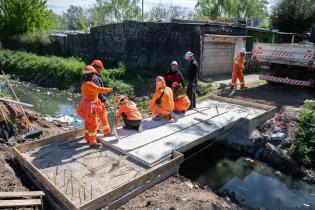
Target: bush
(45,71)
(303,150)
(56,71)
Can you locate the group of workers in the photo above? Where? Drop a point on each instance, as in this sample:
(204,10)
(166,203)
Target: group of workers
(170,97)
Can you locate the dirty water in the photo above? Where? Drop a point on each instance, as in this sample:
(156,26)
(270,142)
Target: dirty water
(251,183)
(50,102)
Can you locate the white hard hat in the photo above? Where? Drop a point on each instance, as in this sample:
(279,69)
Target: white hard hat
(188,54)
(243,50)
(174,63)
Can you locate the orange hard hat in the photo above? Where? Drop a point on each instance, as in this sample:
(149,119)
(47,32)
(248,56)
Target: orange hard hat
(97,64)
(120,98)
(89,70)
(175,84)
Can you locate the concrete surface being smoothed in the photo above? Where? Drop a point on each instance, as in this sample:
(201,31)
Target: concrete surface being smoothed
(159,138)
(94,172)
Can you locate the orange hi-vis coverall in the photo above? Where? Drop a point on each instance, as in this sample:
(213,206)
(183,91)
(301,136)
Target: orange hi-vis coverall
(237,72)
(90,107)
(167,102)
(130,110)
(181,102)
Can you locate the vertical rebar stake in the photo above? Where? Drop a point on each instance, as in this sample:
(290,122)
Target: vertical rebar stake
(216,107)
(91,192)
(84,191)
(71,186)
(64,177)
(80,195)
(67,186)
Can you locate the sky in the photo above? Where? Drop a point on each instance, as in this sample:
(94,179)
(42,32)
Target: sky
(59,6)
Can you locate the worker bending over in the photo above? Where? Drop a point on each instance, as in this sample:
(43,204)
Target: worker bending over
(98,65)
(162,103)
(90,106)
(181,100)
(174,75)
(237,70)
(130,114)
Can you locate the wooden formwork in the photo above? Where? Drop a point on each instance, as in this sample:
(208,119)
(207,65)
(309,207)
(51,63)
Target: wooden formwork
(111,199)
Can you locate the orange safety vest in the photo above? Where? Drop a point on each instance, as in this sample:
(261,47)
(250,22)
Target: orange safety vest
(239,63)
(167,101)
(130,109)
(181,102)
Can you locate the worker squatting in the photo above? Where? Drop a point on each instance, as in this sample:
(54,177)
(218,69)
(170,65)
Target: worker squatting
(169,99)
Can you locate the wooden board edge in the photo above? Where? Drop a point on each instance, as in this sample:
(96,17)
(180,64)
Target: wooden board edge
(57,138)
(44,181)
(251,104)
(123,189)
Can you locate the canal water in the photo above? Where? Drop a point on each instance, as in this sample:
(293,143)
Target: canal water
(249,182)
(49,101)
(223,170)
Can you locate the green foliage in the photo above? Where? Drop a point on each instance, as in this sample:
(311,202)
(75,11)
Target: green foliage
(35,37)
(83,25)
(72,18)
(293,16)
(46,71)
(21,16)
(113,11)
(214,9)
(303,150)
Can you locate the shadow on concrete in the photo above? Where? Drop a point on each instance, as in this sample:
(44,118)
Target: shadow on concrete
(275,94)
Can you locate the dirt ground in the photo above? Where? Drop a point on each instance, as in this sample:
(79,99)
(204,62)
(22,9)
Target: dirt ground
(12,178)
(178,193)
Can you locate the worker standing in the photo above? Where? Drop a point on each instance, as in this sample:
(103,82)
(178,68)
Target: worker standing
(174,75)
(130,114)
(237,70)
(162,103)
(90,105)
(192,78)
(181,100)
(98,65)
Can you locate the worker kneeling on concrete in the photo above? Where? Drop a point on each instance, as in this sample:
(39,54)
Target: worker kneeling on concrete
(238,68)
(90,105)
(162,103)
(130,114)
(99,66)
(181,100)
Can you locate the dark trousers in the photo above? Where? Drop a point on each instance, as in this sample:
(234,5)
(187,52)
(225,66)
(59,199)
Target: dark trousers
(191,93)
(131,124)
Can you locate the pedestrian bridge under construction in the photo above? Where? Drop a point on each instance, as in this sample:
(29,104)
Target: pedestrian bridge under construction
(74,176)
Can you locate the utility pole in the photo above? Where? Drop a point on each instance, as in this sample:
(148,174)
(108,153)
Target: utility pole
(142,11)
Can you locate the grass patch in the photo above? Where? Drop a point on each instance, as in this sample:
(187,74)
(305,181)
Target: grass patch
(303,151)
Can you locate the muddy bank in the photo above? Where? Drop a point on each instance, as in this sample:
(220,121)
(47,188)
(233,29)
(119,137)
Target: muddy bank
(179,193)
(12,177)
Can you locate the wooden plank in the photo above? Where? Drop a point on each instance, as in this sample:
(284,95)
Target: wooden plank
(26,194)
(20,203)
(58,138)
(126,188)
(44,181)
(15,102)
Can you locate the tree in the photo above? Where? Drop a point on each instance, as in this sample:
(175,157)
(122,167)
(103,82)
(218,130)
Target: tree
(293,16)
(214,9)
(167,13)
(22,16)
(73,17)
(114,11)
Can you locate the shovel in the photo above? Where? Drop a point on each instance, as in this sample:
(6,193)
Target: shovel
(114,126)
(32,133)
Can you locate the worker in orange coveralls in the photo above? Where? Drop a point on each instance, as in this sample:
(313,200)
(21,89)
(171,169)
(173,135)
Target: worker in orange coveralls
(181,100)
(162,103)
(98,65)
(237,72)
(130,114)
(90,105)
